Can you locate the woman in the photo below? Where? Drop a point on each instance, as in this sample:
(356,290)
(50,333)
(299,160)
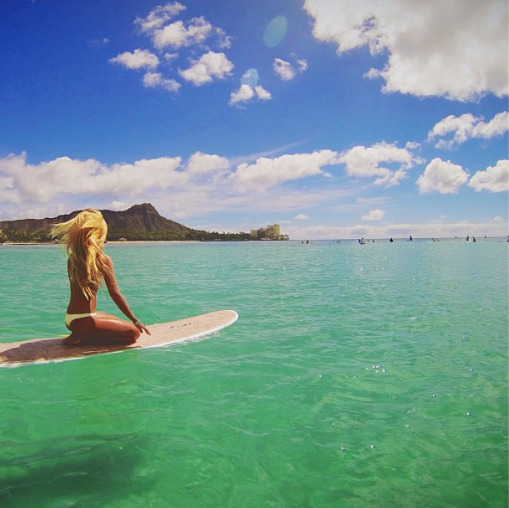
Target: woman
(88,266)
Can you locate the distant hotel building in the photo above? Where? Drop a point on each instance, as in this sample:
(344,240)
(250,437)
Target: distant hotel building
(272,232)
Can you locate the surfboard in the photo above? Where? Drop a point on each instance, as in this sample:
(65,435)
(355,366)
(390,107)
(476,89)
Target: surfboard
(163,334)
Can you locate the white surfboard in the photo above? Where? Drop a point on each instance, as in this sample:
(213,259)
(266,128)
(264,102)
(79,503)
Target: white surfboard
(163,334)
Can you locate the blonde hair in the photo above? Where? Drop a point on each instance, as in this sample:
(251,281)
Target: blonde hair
(84,237)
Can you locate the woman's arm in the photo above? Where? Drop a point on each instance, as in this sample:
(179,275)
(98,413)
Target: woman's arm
(117,296)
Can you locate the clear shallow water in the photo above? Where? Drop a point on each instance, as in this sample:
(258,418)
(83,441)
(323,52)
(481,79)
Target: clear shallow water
(371,375)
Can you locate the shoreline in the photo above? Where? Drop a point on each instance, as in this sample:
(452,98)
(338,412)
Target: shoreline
(345,240)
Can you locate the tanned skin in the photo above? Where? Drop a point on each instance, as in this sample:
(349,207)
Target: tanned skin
(102,329)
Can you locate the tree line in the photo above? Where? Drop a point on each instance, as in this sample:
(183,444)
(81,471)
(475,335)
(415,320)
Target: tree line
(35,236)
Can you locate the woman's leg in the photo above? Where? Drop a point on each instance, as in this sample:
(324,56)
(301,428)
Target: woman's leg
(102,329)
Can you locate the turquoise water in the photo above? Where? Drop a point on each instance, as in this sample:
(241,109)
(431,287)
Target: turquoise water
(356,376)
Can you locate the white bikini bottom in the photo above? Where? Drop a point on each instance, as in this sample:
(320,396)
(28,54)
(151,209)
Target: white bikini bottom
(69,318)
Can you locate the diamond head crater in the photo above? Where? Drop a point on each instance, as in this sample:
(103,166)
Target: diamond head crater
(138,223)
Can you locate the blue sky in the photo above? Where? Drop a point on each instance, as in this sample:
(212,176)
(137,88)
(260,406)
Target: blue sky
(333,118)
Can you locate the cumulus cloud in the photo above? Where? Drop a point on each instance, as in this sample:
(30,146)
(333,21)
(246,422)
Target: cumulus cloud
(266,172)
(467,127)
(442,176)
(177,34)
(247,92)
(374,215)
(138,59)
(207,164)
(202,184)
(194,36)
(286,71)
(494,179)
(44,182)
(209,66)
(206,183)
(302,65)
(456,49)
(155,80)
(367,162)
(158,16)
(261,93)
(243,94)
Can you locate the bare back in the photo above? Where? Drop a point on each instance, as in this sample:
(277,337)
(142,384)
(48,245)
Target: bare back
(102,328)
(78,302)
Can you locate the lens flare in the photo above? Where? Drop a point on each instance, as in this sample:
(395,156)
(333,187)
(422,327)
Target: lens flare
(250,77)
(275,31)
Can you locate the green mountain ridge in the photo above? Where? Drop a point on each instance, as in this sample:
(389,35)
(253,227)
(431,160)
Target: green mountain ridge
(138,223)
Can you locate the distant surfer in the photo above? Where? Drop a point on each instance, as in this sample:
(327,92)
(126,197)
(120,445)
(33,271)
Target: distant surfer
(88,266)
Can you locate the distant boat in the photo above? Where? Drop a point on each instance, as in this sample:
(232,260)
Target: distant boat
(362,241)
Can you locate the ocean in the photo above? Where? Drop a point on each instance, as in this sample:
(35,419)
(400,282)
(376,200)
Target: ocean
(356,376)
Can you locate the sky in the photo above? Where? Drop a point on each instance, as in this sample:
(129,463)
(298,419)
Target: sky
(333,118)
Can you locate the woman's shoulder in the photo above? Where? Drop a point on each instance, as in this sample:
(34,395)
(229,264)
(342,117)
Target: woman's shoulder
(107,260)
(107,264)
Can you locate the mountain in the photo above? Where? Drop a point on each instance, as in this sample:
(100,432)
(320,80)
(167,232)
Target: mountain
(143,220)
(140,222)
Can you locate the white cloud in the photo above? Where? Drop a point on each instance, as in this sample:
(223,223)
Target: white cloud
(364,162)
(156,80)
(374,215)
(494,179)
(265,172)
(139,59)
(41,183)
(262,94)
(412,145)
(224,40)
(243,94)
(442,176)
(209,66)
(247,92)
(118,205)
(170,56)
(457,49)
(191,36)
(9,192)
(466,127)
(209,183)
(206,164)
(46,181)
(205,183)
(177,35)
(286,70)
(133,179)
(159,16)
(302,64)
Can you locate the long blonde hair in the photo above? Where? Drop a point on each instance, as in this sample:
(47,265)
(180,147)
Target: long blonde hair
(84,237)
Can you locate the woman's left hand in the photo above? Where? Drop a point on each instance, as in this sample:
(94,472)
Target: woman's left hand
(142,327)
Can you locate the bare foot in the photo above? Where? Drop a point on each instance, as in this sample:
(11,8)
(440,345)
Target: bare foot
(72,340)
